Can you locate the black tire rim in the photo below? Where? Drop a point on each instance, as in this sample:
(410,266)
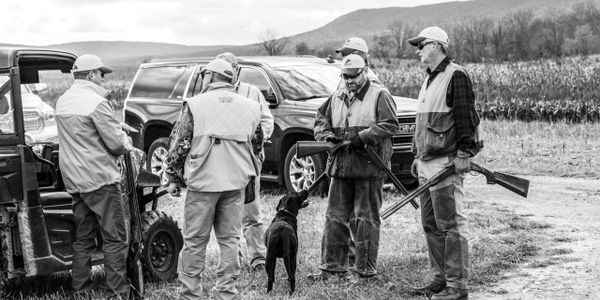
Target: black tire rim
(162,251)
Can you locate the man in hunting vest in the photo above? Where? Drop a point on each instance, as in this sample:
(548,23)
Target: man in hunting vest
(363,113)
(447,128)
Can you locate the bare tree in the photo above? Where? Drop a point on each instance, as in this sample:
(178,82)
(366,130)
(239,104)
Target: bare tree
(273,42)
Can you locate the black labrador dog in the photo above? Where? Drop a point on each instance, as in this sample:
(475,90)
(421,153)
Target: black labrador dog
(281,238)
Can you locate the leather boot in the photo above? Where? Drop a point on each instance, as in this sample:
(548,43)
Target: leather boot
(430,289)
(451,293)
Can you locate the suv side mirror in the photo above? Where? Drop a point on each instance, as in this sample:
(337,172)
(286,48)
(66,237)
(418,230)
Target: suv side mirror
(270,96)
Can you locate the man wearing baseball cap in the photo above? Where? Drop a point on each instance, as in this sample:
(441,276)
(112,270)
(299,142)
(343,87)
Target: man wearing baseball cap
(90,136)
(358,46)
(447,133)
(213,127)
(253,229)
(364,114)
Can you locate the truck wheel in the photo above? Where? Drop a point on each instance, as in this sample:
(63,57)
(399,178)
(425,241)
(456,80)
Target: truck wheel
(156,158)
(162,240)
(300,173)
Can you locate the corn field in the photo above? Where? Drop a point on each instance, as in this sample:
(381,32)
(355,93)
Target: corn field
(566,89)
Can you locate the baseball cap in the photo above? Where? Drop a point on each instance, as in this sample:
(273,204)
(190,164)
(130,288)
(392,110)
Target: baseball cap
(229,57)
(89,62)
(354,43)
(353,64)
(219,66)
(433,34)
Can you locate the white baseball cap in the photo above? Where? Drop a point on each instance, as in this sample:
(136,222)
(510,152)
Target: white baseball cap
(229,57)
(353,64)
(353,43)
(219,66)
(89,62)
(432,34)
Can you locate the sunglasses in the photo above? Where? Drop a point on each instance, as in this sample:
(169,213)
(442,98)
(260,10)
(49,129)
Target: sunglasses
(420,46)
(346,76)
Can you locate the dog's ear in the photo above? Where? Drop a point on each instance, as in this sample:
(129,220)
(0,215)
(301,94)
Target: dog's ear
(303,194)
(304,204)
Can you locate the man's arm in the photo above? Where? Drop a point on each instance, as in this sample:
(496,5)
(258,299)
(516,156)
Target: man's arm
(387,122)
(462,100)
(323,121)
(109,129)
(180,142)
(266,118)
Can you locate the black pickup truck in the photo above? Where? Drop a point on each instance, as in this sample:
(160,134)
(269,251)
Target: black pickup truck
(294,87)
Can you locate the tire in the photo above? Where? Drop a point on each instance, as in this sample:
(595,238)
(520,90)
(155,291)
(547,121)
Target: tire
(156,158)
(300,173)
(162,240)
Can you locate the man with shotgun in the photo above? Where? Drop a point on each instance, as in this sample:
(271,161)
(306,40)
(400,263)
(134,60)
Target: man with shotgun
(447,127)
(362,113)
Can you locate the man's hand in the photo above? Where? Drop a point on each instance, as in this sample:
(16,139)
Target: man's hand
(174,189)
(333,139)
(413,169)
(461,164)
(357,143)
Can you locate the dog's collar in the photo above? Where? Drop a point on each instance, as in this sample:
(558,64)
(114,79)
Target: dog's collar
(287,212)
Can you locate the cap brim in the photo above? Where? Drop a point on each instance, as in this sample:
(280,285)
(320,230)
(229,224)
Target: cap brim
(351,71)
(105,70)
(416,40)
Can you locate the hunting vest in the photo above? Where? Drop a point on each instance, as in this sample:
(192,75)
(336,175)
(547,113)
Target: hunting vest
(346,122)
(435,134)
(220,157)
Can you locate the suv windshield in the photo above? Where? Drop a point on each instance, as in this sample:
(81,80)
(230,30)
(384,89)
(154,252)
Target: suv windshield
(7,125)
(307,81)
(161,82)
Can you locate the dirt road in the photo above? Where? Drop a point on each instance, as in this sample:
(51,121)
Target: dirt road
(569,265)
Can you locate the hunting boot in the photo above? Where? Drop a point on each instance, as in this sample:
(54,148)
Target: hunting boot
(430,289)
(451,293)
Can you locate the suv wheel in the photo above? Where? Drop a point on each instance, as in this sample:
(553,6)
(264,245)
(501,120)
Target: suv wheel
(300,173)
(162,242)
(157,155)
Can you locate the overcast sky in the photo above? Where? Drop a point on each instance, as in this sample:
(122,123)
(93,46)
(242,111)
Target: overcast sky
(188,22)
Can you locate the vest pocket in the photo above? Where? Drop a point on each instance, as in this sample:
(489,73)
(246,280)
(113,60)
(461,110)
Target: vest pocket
(439,139)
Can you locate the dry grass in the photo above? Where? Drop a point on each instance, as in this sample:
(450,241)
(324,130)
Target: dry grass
(498,239)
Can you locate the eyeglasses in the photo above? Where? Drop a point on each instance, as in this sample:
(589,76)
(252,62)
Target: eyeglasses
(346,76)
(420,46)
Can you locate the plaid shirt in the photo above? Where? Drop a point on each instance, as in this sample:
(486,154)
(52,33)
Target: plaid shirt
(461,98)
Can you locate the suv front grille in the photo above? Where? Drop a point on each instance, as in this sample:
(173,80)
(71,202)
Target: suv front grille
(406,131)
(32,120)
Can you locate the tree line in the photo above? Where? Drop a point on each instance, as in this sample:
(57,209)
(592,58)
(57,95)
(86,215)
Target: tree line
(517,36)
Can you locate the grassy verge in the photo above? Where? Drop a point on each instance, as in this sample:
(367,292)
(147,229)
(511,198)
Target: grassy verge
(542,148)
(498,239)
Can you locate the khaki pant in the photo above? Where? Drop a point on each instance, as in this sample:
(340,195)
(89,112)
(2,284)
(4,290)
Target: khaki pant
(445,224)
(102,210)
(353,210)
(254,231)
(202,212)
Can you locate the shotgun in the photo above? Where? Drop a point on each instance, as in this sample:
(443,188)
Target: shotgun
(514,184)
(306,148)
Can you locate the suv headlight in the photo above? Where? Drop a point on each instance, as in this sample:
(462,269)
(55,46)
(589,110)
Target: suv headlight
(48,117)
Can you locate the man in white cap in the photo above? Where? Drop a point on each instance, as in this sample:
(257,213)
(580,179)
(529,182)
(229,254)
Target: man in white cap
(211,154)
(358,46)
(90,135)
(254,231)
(365,114)
(447,133)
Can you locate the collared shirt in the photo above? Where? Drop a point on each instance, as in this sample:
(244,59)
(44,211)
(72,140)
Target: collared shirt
(461,98)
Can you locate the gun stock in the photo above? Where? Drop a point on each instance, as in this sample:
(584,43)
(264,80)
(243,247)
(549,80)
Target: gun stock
(514,184)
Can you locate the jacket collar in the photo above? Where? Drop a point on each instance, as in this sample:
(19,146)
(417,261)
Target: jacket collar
(361,93)
(441,67)
(84,84)
(219,85)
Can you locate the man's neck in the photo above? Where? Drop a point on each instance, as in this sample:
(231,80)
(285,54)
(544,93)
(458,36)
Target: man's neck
(436,62)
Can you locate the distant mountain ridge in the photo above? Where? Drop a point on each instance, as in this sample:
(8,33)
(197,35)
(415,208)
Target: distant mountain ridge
(363,23)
